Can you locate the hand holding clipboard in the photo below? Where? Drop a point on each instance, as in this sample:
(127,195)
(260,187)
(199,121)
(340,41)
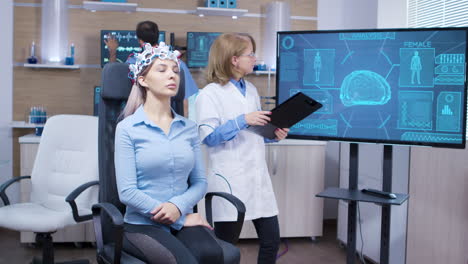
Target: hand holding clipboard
(262,118)
(285,115)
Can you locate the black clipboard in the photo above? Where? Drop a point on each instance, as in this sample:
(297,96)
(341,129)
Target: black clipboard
(287,114)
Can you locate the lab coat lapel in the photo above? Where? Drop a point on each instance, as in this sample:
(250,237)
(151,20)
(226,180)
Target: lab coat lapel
(234,91)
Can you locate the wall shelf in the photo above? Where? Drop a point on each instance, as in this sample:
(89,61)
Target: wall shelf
(109,6)
(52,66)
(29,139)
(264,72)
(215,11)
(22,124)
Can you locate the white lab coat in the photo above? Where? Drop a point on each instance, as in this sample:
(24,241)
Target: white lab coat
(238,164)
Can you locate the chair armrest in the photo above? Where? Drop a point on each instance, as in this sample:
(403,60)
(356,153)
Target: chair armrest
(229,197)
(71,200)
(117,224)
(6,184)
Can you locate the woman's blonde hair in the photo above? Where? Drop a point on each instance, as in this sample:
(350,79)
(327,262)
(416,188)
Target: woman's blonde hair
(220,68)
(137,95)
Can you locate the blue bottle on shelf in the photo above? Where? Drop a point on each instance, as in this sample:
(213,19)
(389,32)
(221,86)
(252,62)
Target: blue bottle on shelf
(71,59)
(32,58)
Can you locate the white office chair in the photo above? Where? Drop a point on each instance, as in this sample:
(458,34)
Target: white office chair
(66,166)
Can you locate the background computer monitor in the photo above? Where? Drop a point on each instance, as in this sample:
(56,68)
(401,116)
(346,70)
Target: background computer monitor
(198,48)
(383,86)
(128,43)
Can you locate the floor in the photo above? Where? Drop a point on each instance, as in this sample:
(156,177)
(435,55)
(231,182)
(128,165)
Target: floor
(325,249)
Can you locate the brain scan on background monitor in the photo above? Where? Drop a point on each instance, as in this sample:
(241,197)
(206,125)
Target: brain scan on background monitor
(386,86)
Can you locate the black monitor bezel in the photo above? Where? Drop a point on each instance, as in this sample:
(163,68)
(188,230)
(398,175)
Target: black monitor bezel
(376,141)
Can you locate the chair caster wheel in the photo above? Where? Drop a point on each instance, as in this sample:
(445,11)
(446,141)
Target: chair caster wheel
(78,244)
(31,245)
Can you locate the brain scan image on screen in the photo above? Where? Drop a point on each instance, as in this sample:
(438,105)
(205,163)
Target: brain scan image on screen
(364,88)
(398,87)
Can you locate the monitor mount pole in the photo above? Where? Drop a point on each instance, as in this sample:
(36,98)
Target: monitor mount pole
(352,205)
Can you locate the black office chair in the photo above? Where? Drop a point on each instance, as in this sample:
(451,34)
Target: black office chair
(108,214)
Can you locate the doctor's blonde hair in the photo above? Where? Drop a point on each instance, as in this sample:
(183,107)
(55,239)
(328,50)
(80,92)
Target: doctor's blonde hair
(220,68)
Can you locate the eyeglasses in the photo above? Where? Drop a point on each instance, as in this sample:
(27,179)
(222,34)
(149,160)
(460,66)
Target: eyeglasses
(251,55)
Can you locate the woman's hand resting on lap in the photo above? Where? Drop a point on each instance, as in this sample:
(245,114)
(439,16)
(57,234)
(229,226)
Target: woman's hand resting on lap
(196,219)
(165,213)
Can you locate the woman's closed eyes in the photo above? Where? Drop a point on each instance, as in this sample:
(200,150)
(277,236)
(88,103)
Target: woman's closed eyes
(165,67)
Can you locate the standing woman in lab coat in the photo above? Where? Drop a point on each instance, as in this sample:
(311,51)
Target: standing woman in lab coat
(224,109)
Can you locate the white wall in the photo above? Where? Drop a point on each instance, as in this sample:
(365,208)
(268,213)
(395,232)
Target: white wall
(6,90)
(392,14)
(346,14)
(332,178)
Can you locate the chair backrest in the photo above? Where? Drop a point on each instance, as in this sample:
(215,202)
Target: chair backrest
(177,102)
(66,158)
(115,89)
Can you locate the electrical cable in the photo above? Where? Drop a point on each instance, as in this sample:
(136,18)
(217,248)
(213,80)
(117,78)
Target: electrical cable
(361,256)
(229,185)
(286,245)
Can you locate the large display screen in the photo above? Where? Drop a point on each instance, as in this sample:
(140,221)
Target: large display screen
(198,48)
(399,86)
(128,44)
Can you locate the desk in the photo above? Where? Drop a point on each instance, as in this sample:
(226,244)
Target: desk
(82,232)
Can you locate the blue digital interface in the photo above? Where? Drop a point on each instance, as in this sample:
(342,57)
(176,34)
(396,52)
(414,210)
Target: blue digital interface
(198,48)
(393,87)
(96,99)
(128,44)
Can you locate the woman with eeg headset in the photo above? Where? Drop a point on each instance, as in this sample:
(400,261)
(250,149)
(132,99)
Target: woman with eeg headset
(159,170)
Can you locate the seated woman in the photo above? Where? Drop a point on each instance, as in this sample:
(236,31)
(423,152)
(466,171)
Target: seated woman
(159,169)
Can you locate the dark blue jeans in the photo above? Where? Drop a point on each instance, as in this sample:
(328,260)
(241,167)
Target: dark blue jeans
(268,234)
(190,245)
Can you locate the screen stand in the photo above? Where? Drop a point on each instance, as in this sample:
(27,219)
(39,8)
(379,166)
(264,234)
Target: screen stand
(353,195)
(352,206)
(386,208)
